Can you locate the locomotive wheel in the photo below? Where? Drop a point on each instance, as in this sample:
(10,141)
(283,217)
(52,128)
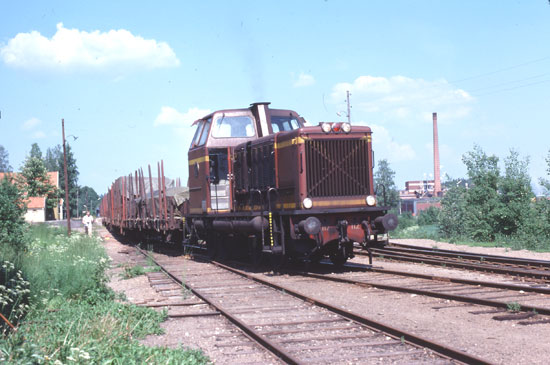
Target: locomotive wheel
(338,259)
(338,256)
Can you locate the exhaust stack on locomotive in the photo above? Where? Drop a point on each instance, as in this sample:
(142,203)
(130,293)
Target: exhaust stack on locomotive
(261,180)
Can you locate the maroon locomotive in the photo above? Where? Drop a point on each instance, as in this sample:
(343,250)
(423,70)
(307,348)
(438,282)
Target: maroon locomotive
(262,182)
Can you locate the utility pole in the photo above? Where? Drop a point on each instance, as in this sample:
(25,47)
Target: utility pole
(66,180)
(349,107)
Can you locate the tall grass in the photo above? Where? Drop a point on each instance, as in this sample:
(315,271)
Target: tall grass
(71,315)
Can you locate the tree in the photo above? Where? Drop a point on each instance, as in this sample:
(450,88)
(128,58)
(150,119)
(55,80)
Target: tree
(482,198)
(87,199)
(515,194)
(53,156)
(545,182)
(4,160)
(453,212)
(34,180)
(35,151)
(12,210)
(385,187)
(72,172)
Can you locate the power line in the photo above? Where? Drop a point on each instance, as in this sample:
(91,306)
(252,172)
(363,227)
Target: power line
(501,70)
(509,82)
(513,88)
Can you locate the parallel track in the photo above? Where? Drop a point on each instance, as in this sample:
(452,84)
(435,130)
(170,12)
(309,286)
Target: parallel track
(301,329)
(516,267)
(456,289)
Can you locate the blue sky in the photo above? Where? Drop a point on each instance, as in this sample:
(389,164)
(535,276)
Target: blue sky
(130,77)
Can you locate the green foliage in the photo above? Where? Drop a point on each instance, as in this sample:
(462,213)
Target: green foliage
(545,183)
(53,157)
(482,198)
(513,307)
(87,199)
(78,332)
(73,317)
(386,190)
(4,160)
(34,180)
(428,216)
(72,172)
(453,211)
(14,295)
(406,219)
(57,265)
(12,225)
(515,195)
(35,151)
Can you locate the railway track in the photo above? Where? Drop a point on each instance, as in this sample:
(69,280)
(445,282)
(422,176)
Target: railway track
(516,267)
(531,300)
(298,329)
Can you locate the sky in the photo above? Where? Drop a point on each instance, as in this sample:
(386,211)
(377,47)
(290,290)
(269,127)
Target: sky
(129,78)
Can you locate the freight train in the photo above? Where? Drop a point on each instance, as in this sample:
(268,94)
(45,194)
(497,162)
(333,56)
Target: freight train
(261,183)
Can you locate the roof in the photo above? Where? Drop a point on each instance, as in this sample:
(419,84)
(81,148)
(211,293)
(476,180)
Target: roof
(36,202)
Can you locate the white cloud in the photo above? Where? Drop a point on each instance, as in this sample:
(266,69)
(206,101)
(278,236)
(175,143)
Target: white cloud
(304,80)
(30,124)
(38,135)
(170,116)
(386,147)
(404,98)
(72,49)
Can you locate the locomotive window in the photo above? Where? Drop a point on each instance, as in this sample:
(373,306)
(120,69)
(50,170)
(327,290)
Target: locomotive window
(237,126)
(205,131)
(283,123)
(197,135)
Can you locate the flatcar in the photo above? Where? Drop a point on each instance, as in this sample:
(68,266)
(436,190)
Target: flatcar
(261,183)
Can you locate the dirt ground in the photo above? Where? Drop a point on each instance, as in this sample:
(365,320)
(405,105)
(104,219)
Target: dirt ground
(503,342)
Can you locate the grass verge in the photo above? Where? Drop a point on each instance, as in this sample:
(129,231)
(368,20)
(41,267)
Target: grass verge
(71,316)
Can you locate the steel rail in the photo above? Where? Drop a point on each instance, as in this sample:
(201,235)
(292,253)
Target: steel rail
(270,346)
(467,257)
(481,257)
(429,293)
(490,284)
(541,275)
(408,337)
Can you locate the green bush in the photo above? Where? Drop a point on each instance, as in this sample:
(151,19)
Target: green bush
(12,225)
(429,216)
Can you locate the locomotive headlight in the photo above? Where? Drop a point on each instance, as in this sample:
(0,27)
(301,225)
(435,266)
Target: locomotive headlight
(371,201)
(307,203)
(346,127)
(326,127)
(336,127)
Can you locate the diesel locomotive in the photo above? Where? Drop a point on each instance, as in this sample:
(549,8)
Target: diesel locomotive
(262,183)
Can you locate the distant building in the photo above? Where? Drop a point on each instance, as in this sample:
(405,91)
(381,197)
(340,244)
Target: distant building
(36,205)
(417,189)
(417,196)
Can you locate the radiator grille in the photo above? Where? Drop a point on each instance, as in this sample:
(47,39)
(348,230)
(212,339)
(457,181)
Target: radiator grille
(337,167)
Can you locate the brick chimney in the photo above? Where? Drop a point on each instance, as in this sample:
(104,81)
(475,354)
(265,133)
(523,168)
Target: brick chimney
(437,180)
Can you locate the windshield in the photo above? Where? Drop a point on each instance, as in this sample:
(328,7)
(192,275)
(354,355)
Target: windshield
(233,126)
(284,123)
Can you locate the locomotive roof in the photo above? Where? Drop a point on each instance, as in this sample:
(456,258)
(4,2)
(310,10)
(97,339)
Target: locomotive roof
(249,109)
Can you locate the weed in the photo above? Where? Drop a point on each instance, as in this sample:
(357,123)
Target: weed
(402,340)
(132,271)
(513,307)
